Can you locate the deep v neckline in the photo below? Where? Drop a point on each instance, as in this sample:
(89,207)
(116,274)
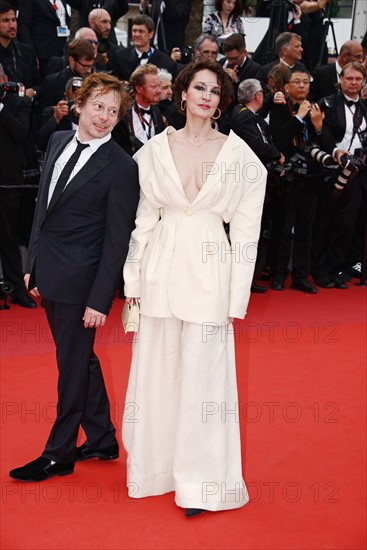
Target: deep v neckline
(178,177)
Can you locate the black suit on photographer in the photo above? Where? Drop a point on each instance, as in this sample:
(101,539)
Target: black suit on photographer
(294,125)
(15,113)
(343,132)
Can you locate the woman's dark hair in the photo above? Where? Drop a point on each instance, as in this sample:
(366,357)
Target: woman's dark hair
(185,77)
(236,10)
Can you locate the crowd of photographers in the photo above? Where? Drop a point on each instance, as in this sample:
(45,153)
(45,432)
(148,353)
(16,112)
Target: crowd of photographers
(309,129)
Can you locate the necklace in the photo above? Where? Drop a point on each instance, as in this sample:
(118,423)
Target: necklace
(196,144)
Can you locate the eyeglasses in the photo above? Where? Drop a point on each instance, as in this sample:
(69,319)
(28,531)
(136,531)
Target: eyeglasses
(299,82)
(93,42)
(89,66)
(359,57)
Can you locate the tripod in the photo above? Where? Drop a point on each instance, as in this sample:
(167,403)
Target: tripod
(328,24)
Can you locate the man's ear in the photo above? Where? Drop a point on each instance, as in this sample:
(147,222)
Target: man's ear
(151,34)
(77,107)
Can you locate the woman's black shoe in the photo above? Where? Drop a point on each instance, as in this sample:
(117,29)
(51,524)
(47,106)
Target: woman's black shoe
(189,512)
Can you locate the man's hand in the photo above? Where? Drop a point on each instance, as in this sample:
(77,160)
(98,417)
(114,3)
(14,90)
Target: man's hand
(279,98)
(30,92)
(281,159)
(304,108)
(317,117)
(34,291)
(339,153)
(61,110)
(232,73)
(93,318)
(176,55)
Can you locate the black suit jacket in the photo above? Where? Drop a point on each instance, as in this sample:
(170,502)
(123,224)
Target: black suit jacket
(77,249)
(14,124)
(334,125)
(126,61)
(324,83)
(174,18)
(244,123)
(37,24)
(285,128)
(53,89)
(26,69)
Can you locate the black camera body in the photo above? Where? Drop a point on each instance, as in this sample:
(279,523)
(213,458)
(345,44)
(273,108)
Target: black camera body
(186,55)
(12,88)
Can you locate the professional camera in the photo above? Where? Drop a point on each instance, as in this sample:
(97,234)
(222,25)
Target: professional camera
(308,154)
(186,55)
(350,166)
(12,88)
(318,155)
(324,104)
(278,170)
(5,290)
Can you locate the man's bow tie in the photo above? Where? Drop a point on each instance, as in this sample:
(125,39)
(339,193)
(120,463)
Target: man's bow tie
(350,102)
(144,55)
(146,111)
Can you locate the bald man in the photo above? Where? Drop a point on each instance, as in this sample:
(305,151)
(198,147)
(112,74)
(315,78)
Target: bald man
(116,9)
(101,23)
(326,77)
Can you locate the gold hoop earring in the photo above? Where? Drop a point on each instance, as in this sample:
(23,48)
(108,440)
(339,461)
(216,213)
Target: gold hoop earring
(219,114)
(183,105)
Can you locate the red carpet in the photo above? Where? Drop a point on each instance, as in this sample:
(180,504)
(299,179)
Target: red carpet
(302,387)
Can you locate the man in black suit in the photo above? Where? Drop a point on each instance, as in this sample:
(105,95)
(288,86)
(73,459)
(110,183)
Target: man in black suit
(85,213)
(44,25)
(293,124)
(143,120)
(100,22)
(326,77)
(237,64)
(18,60)
(170,19)
(81,63)
(288,47)
(128,59)
(15,113)
(115,8)
(341,133)
(252,128)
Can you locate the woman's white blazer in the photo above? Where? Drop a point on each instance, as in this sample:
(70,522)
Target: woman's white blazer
(180,261)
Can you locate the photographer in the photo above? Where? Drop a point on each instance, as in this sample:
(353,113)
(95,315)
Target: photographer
(81,63)
(61,117)
(343,132)
(100,22)
(15,115)
(294,125)
(252,128)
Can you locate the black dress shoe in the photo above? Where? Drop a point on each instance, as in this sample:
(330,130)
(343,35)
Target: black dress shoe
(108,453)
(325,282)
(277,284)
(22,299)
(41,469)
(304,286)
(190,512)
(339,283)
(258,289)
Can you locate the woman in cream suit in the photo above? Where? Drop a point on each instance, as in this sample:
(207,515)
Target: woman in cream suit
(181,421)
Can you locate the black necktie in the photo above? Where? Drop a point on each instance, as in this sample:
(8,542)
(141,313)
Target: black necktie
(66,172)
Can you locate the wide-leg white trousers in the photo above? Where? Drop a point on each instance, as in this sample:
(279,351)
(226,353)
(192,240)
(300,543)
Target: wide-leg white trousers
(181,422)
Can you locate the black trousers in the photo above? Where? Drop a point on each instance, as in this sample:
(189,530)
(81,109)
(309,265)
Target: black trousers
(10,208)
(82,396)
(293,206)
(334,228)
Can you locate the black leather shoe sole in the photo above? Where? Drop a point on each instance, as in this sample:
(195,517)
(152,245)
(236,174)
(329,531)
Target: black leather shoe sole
(304,287)
(108,453)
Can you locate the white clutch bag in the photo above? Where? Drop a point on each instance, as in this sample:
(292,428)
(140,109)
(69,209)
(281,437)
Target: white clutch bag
(131,316)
